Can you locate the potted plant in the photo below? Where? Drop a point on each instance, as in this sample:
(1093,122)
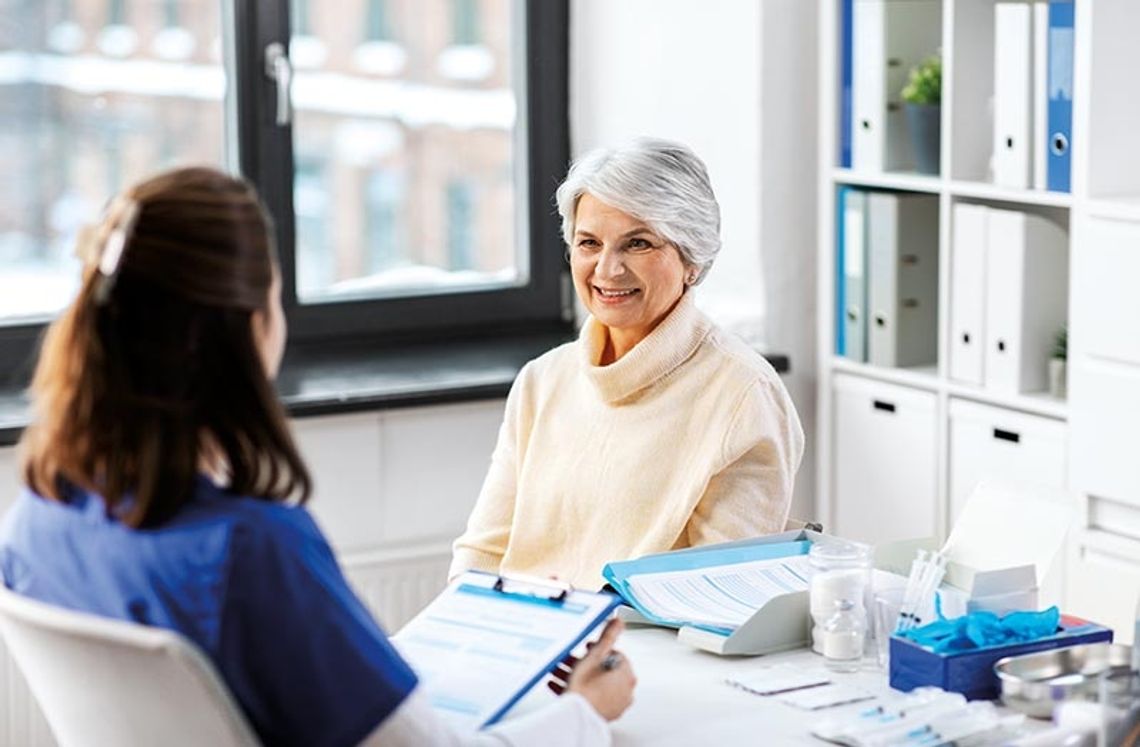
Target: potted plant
(923,98)
(1057,362)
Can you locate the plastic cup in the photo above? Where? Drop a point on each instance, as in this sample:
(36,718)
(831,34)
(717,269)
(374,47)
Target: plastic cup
(884,619)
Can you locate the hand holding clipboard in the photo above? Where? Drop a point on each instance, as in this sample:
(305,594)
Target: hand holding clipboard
(602,676)
(485,641)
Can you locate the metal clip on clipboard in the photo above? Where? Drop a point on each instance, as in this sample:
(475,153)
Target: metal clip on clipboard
(548,589)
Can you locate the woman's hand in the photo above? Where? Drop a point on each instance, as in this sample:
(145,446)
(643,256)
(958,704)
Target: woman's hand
(603,676)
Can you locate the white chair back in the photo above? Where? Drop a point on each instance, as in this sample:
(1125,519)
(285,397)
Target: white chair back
(107,682)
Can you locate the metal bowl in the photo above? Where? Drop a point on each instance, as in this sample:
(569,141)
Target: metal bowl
(1034,683)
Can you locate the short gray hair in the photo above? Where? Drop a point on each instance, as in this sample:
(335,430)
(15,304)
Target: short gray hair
(659,182)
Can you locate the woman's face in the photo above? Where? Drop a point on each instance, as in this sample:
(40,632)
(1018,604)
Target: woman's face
(269,330)
(627,276)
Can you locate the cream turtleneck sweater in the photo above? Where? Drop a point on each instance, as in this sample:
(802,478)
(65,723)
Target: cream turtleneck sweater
(689,439)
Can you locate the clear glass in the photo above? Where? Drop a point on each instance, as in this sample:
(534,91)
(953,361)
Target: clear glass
(95,95)
(842,571)
(844,634)
(406,147)
(885,615)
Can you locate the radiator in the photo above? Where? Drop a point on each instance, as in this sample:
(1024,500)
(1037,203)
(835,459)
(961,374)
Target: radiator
(396,584)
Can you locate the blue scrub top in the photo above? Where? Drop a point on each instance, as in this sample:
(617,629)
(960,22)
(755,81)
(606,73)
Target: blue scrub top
(254,584)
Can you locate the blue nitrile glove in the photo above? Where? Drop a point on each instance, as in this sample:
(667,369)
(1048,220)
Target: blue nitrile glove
(984,630)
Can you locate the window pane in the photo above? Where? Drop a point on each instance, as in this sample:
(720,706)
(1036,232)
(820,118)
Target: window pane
(94,95)
(405,147)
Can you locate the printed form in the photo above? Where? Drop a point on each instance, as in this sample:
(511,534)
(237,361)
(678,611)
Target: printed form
(476,650)
(721,597)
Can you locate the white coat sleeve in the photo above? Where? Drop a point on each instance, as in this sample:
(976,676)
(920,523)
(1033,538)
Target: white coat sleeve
(568,722)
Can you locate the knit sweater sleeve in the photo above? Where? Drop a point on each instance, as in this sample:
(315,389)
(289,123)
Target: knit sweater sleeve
(752,493)
(484,542)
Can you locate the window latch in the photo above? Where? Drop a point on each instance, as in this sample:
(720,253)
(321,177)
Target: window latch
(279,70)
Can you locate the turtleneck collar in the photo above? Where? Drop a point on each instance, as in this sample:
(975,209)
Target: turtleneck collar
(669,345)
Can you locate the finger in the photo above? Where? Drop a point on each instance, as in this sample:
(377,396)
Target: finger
(570,660)
(556,688)
(562,673)
(608,638)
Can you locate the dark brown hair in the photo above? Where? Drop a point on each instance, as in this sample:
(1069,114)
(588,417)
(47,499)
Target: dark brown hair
(155,363)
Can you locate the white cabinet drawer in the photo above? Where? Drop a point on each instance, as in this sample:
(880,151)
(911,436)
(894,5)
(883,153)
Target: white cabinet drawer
(1104,420)
(886,462)
(990,443)
(993,443)
(1106,303)
(1104,581)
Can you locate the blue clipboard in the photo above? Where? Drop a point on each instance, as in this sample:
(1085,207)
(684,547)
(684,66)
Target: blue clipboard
(484,642)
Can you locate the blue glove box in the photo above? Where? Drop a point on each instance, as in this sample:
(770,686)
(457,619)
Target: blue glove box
(972,672)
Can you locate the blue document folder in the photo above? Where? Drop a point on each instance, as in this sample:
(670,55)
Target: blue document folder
(710,557)
(1060,95)
(846,22)
(840,274)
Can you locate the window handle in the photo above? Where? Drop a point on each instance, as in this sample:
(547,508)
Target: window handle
(280,70)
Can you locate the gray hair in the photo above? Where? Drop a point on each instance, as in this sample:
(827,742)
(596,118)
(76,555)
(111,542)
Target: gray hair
(658,182)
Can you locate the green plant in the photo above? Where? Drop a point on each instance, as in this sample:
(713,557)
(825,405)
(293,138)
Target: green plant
(1061,344)
(925,84)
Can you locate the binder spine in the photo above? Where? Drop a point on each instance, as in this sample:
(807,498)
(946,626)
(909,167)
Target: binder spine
(1060,95)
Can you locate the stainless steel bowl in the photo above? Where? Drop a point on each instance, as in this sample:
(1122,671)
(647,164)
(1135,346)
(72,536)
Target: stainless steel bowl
(1034,683)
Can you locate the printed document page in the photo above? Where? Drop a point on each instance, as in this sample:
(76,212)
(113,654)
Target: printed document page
(721,597)
(476,649)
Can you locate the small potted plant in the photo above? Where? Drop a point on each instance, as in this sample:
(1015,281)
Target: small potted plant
(923,98)
(1057,358)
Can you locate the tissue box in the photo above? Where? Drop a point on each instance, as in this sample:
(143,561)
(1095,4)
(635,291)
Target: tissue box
(972,672)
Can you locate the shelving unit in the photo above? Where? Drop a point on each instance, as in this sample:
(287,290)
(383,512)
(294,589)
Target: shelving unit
(1095,434)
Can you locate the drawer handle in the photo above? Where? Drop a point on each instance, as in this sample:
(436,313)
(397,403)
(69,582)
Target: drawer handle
(1010,436)
(884,406)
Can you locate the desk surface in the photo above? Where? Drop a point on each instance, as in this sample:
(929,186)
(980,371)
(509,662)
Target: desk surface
(682,699)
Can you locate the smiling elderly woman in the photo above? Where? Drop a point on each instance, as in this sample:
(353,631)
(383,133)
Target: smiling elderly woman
(655,430)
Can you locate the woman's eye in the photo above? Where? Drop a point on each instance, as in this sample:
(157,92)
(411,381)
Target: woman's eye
(639,245)
(588,243)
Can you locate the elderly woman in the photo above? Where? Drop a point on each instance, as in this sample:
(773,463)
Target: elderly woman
(655,430)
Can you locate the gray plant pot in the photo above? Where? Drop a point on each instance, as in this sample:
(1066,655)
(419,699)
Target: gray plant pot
(924,122)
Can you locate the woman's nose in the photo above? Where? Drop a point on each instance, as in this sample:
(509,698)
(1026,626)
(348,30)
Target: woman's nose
(610,263)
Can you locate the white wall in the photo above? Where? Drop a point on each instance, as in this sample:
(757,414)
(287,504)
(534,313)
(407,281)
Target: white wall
(735,80)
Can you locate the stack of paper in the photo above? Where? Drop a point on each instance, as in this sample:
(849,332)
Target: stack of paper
(717,588)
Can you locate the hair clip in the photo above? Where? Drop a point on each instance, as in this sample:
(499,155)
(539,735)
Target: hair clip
(111,257)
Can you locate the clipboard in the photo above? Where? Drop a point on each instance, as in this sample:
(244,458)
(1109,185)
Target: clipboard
(486,640)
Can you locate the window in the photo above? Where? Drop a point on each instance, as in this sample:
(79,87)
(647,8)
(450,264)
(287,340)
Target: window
(411,186)
(377,24)
(84,109)
(460,226)
(383,208)
(465,22)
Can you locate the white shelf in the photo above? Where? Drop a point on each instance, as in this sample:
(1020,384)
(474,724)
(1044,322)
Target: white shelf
(1123,207)
(986,191)
(1037,403)
(921,377)
(927,378)
(909,182)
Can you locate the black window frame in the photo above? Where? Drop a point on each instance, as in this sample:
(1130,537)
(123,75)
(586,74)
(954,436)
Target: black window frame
(541,304)
(265,156)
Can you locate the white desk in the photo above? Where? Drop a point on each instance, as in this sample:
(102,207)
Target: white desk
(682,700)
